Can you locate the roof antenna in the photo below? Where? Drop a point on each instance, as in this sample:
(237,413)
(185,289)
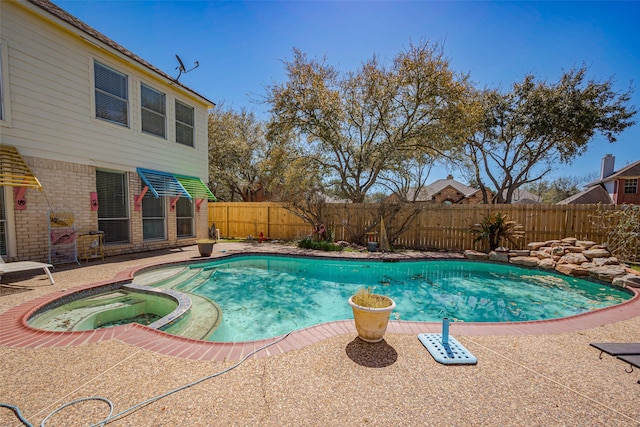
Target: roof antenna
(182,68)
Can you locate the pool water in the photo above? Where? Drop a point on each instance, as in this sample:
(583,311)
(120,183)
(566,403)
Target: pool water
(267,296)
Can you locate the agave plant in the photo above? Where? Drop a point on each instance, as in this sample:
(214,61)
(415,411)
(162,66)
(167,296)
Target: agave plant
(497,227)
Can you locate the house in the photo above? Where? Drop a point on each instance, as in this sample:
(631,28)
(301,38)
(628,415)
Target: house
(94,141)
(613,187)
(523,197)
(446,191)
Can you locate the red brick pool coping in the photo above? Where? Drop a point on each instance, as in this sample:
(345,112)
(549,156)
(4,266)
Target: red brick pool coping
(15,332)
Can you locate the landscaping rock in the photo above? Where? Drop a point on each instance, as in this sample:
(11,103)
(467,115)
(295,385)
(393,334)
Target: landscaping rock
(547,264)
(541,255)
(534,246)
(574,249)
(607,273)
(596,253)
(572,270)
(475,255)
(498,256)
(572,258)
(628,280)
(632,280)
(527,261)
(605,261)
(585,243)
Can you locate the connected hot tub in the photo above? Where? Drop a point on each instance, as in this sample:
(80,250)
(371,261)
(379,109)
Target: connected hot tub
(103,307)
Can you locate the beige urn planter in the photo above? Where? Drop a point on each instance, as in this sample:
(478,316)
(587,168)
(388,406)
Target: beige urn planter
(371,316)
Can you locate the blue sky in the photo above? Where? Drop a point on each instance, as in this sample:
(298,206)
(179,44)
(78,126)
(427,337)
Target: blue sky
(240,45)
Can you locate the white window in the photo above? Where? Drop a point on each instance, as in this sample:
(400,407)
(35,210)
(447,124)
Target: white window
(113,210)
(112,94)
(153,217)
(153,111)
(184,217)
(184,124)
(631,186)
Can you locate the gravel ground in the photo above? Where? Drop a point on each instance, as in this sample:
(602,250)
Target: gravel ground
(538,380)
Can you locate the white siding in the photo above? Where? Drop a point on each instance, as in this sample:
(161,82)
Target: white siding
(52,114)
(609,186)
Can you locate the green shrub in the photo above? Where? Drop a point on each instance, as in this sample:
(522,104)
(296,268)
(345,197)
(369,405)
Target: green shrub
(621,228)
(308,243)
(495,228)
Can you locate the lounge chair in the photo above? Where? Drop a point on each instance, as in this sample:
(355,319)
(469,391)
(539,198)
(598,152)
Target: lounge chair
(626,351)
(13,267)
(617,348)
(633,360)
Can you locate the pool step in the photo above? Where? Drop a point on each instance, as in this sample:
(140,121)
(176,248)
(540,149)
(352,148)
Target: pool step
(201,320)
(204,316)
(200,277)
(167,280)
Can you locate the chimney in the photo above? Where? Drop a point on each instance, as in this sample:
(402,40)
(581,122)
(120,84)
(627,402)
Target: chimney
(607,166)
(449,176)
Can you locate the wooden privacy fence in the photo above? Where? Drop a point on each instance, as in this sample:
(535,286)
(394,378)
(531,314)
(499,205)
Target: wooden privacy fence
(434,226)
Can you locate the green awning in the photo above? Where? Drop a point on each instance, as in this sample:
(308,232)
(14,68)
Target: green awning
(195,187)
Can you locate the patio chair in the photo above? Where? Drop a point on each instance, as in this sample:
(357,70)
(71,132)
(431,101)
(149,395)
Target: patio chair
(627,352)
(617,348)
(13,267)
(632,360)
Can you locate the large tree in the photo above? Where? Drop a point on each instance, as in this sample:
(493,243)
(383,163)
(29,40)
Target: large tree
(358,125)
(237,147)
(524,132)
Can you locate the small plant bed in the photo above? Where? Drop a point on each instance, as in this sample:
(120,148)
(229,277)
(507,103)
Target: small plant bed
(321,245)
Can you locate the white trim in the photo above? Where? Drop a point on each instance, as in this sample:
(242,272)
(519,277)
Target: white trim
(129,102)
(10,222)
(5,101)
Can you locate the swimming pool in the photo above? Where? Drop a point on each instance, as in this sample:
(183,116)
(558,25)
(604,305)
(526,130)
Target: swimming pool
(266,296)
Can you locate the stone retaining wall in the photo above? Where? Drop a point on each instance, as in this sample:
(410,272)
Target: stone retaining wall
(570,256)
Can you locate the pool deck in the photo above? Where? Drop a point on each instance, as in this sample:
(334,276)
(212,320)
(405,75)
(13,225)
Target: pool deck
(529,373)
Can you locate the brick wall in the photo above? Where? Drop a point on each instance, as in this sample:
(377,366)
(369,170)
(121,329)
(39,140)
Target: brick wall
(67,187)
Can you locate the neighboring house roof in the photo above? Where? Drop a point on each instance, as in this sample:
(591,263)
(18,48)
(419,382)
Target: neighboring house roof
(526,201)
(522,196)
(47,6)
(592,195)
(429,191)
(629,171)
(596,193)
